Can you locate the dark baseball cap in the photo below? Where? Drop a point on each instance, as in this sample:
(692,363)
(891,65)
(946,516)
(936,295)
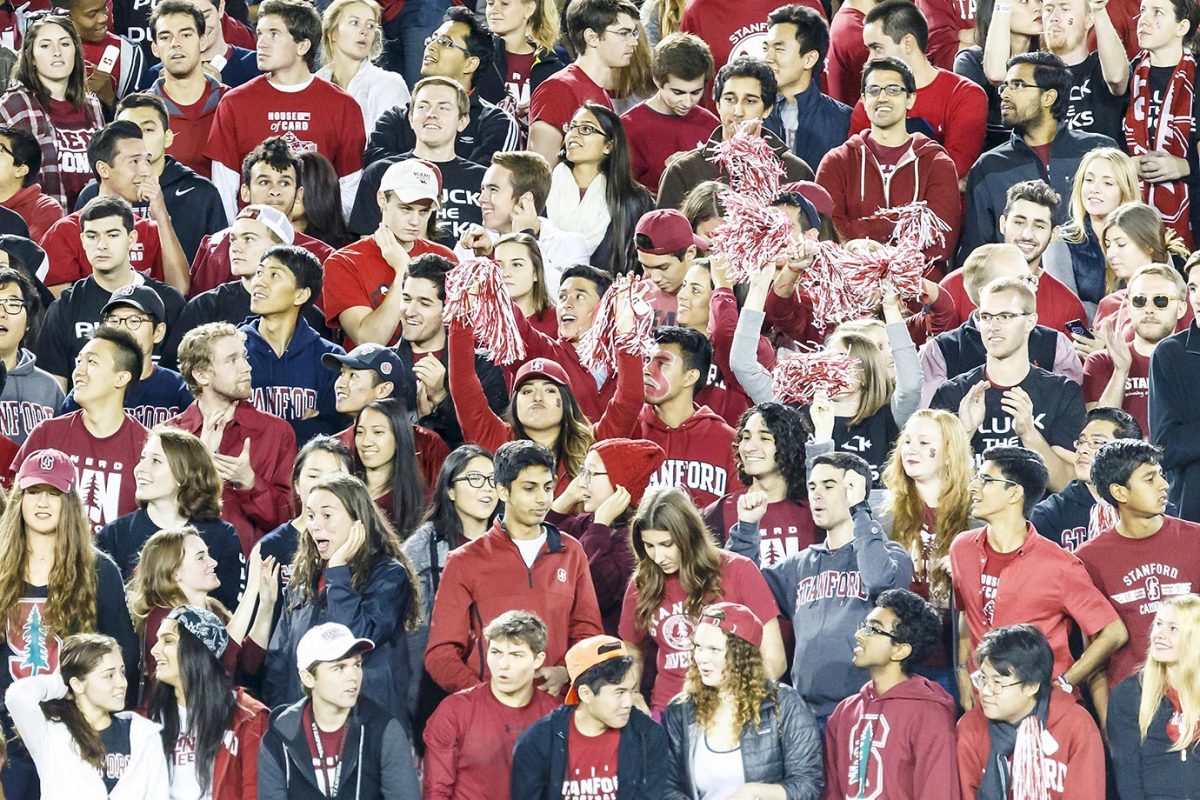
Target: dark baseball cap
(668,232)
(384,361)
(139,296)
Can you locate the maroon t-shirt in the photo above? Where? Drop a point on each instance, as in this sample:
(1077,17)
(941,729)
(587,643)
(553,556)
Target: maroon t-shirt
(72,131)
(990,583)
(558,97)
(326,758)
(1043,153)
(516,85)
(653,138)
(1097,371)
(1136,575)
(591,765)
(888,157)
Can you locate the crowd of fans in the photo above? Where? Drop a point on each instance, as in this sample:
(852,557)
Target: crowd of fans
(278,522)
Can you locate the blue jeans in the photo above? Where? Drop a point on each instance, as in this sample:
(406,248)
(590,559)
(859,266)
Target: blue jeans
(404,37)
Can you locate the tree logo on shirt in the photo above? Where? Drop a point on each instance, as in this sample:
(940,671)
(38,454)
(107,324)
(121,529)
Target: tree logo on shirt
(33,649)
(677,632)
(870,774)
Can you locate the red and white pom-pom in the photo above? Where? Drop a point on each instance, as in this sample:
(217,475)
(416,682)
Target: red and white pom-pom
(838,284)
(1029,762)
(600,343)
(752,235)
(751,164)
(798,378)
(477,297)
(916,224)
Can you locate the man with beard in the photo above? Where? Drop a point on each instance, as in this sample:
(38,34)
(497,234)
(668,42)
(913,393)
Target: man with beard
(1119,375)
(1033,102)
(253,451)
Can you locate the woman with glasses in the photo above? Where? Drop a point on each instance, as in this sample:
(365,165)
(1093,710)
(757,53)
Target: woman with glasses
(524,35)
(351,42)
(592,190)
(385,456)
(615,475)
(47,97)
(1154,715)
(734,732)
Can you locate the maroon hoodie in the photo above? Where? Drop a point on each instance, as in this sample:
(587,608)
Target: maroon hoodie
(852,176)
(911,740)
(699,454)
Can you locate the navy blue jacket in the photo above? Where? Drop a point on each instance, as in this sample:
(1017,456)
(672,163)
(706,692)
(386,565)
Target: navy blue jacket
(241,67)
(1063,516)
(489,84)
(294,384)
(540,758)
(963,347)
(151,401)
(824,123)
(1175,417)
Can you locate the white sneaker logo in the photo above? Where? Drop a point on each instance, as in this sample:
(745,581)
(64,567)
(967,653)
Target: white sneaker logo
(182,192)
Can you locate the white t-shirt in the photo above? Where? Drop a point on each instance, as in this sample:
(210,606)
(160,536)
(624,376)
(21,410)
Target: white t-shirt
(530,548)
(185,784)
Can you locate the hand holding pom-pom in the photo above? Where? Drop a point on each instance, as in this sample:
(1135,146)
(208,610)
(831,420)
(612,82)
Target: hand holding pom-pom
(751,164)
(800,377)
(477,297)
(624,321)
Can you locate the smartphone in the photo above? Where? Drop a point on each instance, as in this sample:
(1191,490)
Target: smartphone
(1078,327)
(109,59)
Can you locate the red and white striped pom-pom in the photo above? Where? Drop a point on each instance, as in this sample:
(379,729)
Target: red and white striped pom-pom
(476,296)
(916,223)
(903,267)
(799,377)
(751,164)
(752,235)
(600,343)
(838,284)
(1029,762)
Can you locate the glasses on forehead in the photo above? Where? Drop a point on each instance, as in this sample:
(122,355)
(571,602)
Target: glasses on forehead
(891,90)
(476,480)
(1160,301)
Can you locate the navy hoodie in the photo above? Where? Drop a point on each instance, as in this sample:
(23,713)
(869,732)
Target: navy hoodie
(295,384)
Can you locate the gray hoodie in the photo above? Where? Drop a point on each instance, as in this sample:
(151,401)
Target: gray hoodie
(827,594)
(30,396)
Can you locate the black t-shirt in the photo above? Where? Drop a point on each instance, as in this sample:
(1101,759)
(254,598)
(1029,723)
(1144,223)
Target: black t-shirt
(459,206)
(871,439)
(116,744)
(1091,106)
(1058,410)
(1160,79)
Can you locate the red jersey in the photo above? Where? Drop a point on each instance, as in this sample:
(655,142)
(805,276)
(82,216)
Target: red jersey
(946,18)
(1056,304)
(952,110)
(1044,586)
(655,137)
(1137,575)
(557,98)
(319,117)
(105,466)
(469,742)
(73,129)
(358,276)
(671,626)
(847,55)
(734,28)
(591,765)
(69,262)
(1098,370)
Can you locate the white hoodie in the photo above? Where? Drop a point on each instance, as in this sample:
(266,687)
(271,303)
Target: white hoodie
(62,771)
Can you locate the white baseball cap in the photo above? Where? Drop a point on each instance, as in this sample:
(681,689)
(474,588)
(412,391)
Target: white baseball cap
(413,179)
(331,641)
(273,218)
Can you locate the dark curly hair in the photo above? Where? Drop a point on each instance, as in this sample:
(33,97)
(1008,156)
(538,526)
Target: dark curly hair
(791,433)
(920,626)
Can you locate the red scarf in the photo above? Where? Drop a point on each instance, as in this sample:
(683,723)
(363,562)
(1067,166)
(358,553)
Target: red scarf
(1173,134)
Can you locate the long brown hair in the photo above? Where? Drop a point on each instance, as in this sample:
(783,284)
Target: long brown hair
(575,435)
(745,679)
(953,509)
(80,654)
(1145,227)
(153,584)
(541,295)
(666,508)
(192,466)
(382,542)
(71,596)
(25,73)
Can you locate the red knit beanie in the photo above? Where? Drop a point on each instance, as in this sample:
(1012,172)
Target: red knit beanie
(630,463)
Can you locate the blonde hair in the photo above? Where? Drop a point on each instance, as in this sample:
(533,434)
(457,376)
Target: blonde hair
(1124,169)
(1155,675)
(543,25)
(1014,286)
(876,385)
(670,16)
(333,17)
(1167,273)
(196,350)
(908,509)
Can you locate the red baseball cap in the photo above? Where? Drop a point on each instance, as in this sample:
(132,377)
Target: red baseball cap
(541,368)
(736,620)
(668,231)
(49,468)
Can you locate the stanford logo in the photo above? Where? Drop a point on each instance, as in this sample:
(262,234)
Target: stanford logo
(385,368)
(124,291)
(562,575)
(537,365)
(46,462)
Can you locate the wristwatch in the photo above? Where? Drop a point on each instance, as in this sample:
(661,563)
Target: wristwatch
(1064,684)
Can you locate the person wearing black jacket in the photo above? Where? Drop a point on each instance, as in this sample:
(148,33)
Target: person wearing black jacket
(460,40)
(599,708)
(490,83)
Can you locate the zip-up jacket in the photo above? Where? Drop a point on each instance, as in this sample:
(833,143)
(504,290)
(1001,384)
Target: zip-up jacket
(376,611)
(1145,770)
(487,577)
(827,594)
(610,559)
(294,385)
(784,750)
(235,770)
(489,84)
(825,123)
(377,761)
(540,758)
(859,188)
(910,732)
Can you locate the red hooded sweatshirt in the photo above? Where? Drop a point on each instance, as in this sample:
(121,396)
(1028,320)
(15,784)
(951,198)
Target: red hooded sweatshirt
(853,177)
(911,739)
(699,454)
(1071,744)
(235,770)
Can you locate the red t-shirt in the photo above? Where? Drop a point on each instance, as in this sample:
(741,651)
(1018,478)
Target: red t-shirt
(954,111)
(319,117)
(73,130)
(847,55)
(946,18)
(105,466)
(558,97)
(992,569)
(665,306)
(191,127)
(1098,369)
(888,157)
(357,275)
(591,765)
(734,28)
(1056,304)
(655,137)
(1136,575)
(327,756)
(69,262)
(671,628)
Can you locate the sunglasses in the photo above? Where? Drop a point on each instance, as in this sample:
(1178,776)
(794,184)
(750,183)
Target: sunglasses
(1160,300)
